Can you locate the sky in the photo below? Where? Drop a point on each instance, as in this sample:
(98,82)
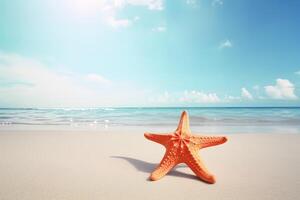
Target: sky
(94,53)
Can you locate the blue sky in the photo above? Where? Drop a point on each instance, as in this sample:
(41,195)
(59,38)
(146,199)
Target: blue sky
(87,53)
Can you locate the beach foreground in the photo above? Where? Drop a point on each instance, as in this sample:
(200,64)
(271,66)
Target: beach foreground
(116,165)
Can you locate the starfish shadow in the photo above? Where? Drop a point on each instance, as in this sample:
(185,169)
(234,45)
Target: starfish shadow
(146,167)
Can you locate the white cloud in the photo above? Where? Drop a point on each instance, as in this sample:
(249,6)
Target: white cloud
(159,29)
(199,97)
(118,23)
(246,94)
(150,4)
(225,44)
(229,98)
(283,89)
(97,78)
(110,8)
(26,82)
(217,3)
(180,98)
(37,83)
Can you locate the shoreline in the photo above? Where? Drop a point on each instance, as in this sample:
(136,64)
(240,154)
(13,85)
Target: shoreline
(197,129)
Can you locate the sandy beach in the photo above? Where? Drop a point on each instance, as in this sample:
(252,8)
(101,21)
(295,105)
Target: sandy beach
(82,81)
(116,165)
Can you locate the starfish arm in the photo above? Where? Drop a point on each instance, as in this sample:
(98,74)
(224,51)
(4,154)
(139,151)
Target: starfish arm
(166,164)
(207,141)
(184,124)
(159,138)
(193,161)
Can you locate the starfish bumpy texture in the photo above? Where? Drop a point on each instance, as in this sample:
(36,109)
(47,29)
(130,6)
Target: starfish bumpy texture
(182,147)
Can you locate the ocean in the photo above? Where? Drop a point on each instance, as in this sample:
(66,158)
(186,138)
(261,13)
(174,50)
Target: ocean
(202,119)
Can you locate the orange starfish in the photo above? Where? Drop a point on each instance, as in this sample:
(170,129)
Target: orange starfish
(182,147)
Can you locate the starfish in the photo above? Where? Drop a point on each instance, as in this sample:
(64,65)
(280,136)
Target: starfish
(182,147)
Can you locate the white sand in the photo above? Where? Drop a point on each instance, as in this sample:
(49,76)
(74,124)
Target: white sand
(91,165)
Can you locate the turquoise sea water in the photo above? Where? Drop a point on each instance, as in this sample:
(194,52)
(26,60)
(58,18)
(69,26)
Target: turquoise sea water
(210,120)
